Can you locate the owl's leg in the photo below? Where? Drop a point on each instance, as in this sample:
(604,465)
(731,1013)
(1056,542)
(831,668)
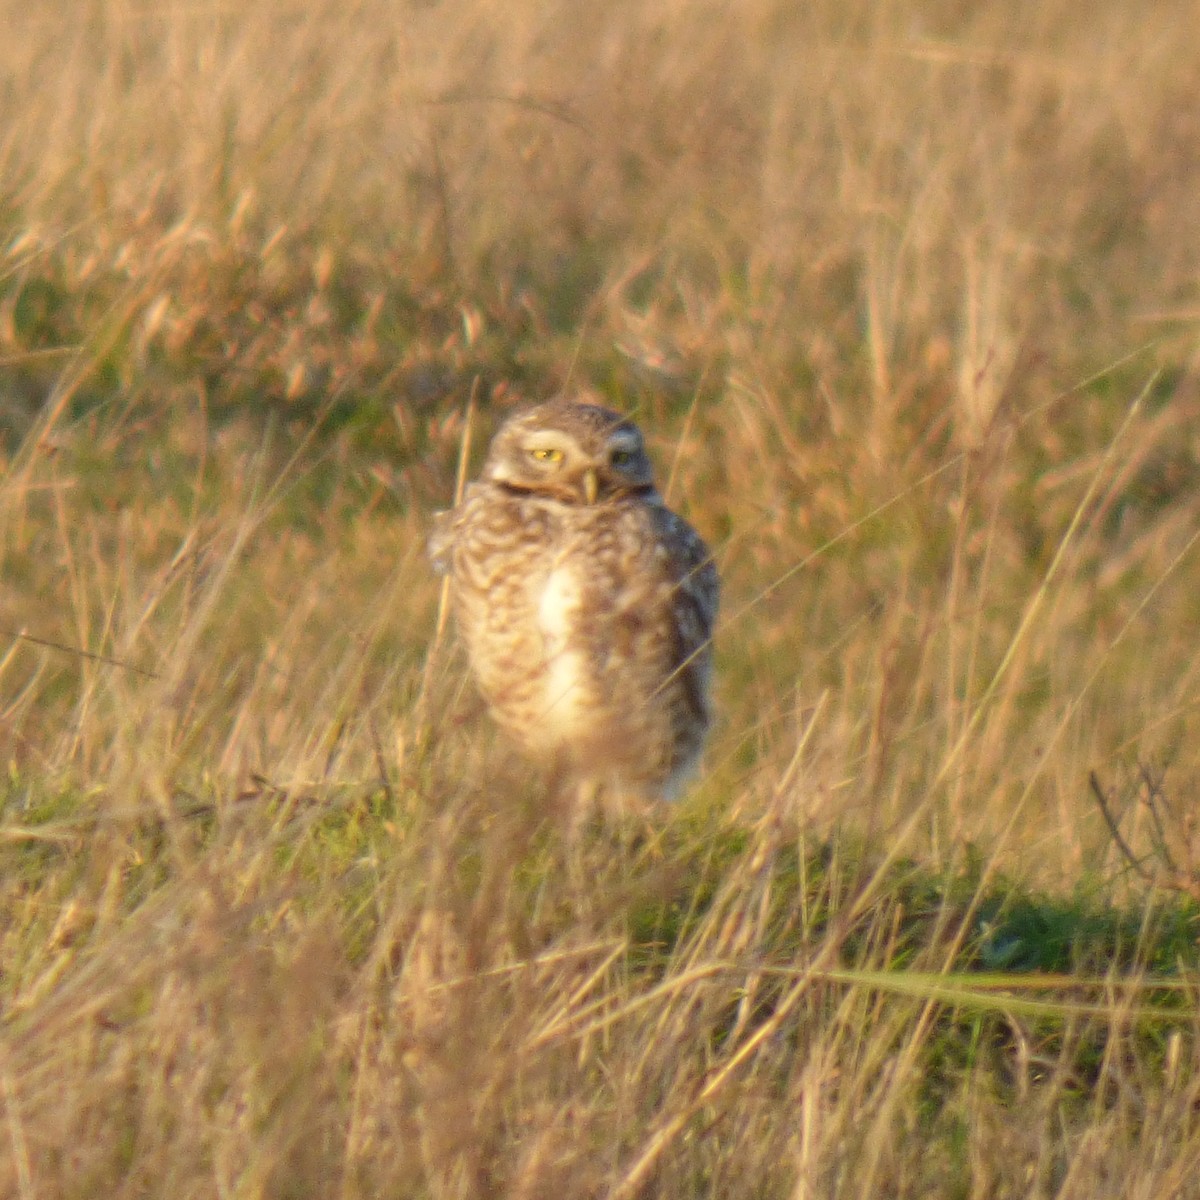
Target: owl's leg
(621,802)
(629,812)
(584,805)
(571,799)
(576,802)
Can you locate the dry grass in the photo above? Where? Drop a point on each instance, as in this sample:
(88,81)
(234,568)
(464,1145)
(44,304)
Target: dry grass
(906,299)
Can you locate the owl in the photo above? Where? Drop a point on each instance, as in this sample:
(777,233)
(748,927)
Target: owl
(585,604)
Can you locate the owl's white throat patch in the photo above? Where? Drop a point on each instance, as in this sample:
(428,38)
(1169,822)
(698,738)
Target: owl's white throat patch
(564,665)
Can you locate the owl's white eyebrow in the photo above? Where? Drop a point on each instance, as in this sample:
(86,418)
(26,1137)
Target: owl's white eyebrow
(545,440)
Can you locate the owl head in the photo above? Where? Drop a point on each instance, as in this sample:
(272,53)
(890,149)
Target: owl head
(576,453)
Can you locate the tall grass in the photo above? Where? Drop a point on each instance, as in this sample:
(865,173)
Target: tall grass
(904,296)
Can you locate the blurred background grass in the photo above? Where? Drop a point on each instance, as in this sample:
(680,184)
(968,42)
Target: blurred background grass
(905,295)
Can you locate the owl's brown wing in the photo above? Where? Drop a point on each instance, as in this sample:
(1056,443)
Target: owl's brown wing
(697,596)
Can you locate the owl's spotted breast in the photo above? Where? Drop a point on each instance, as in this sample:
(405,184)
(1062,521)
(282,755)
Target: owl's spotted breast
(566,673)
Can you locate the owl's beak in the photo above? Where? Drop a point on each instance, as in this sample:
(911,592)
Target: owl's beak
(591,485)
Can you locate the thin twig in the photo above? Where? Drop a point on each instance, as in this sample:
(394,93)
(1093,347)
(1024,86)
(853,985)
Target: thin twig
(1153,796)
(78,652)
(1114,829)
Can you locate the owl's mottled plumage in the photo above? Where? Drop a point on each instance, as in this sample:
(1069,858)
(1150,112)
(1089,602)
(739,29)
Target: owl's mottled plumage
(586,605)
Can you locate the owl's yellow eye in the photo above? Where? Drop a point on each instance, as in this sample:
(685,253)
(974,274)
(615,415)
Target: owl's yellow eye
(547,454)
(621,458)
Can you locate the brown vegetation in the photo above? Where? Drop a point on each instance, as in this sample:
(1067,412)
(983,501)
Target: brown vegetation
(906,295)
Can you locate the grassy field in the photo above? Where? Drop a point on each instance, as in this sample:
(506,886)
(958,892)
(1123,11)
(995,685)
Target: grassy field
(906,300)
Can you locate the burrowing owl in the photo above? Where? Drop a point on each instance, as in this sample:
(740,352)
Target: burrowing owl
(586,605)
